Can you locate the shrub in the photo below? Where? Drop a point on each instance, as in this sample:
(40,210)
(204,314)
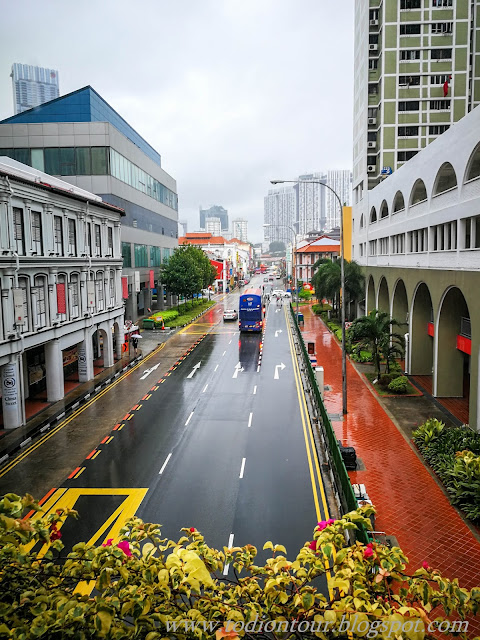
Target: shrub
(321,308)
(305,295)
(386,378)
(168,314)
(464,483)
(399,385)
(428,431)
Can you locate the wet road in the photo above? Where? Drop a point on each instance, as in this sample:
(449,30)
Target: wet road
(209,438)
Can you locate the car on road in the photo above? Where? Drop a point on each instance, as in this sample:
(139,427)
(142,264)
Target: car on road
(278,293)
(230,314)
(265,279)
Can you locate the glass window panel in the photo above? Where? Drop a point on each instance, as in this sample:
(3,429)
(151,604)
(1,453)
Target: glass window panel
(22,155)
(52,161)
(67,161)
(99,161)
(37,159)
(127,254)
(83,166)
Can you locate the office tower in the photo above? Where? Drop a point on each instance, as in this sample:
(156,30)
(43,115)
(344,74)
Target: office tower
(183,228)
(214,211)
(239,229)
(340,180)
(280,207)
(32,86)
(311,210)
(417,71)
(213,226)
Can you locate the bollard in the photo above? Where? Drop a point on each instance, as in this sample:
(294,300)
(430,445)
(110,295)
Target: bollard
(319,374)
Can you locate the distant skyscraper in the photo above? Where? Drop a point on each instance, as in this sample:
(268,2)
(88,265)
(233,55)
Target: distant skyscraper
(311,211)
(215,211)
(341,181)
(213,226)
(239,229)
(280,206)
(183,228)
(32,86)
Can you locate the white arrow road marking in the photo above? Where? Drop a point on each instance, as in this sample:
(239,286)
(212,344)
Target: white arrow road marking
(147,372)
(197,366)
(277,367)
(242,469)
(188,419)
(238,367)
(277,332)
(230,544)
(277,310)
(165,464)
(250,419)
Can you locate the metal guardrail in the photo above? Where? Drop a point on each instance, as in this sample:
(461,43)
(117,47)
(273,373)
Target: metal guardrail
(339,470)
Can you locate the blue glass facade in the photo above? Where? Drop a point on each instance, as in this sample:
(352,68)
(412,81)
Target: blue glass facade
(83,105)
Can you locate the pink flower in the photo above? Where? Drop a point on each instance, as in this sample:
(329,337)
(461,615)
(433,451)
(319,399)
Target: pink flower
(313,545)
(54,533)
(108,543)
(368,552)
(425,565)
(322,525)
(370,545)
(124,545)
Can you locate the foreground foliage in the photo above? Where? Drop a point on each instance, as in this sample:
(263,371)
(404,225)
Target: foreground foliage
(146,585)
(454,454)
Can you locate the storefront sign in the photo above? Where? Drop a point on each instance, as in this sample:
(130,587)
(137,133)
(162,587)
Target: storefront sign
(136,275)
(69,356)
(10,386)
(125,287)
(90,294)
(18,301)
(61,299)
(82,362)
(152,279)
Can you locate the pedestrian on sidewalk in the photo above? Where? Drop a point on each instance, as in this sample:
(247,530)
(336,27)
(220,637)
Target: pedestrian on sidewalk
(135,345)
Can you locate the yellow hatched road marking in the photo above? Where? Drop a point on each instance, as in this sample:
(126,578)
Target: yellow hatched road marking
(79,473)
(130,416)
(76,413)
(99,452)
(109,440)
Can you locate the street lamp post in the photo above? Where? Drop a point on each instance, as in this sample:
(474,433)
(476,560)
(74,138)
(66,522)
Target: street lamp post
(294,274)
(342,284)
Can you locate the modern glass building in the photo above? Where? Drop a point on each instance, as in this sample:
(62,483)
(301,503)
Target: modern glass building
(33,86)
(82,139)
(215,211)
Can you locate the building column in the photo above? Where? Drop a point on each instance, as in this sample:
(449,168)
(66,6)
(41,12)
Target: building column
(54,371)
(7,309)
(85,359)
(147,301)
(160,294)
(119,336)
(11,396)
(52,297)
(4,222)
(83,292)
(118,286)
(108,359)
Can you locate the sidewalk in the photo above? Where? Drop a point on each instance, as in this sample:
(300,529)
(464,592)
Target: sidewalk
(410,504)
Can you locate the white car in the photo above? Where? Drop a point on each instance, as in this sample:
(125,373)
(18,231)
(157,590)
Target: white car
(230,314)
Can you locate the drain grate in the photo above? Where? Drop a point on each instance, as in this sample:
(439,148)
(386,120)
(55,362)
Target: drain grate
(335,417)
(327,387)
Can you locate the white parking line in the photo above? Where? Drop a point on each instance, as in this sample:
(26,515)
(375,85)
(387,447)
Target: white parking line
(230,342)
(242,468)
(230,544)
(254,389)
(165,464)
(250,419)
(188,419)
(205,388)
(216,368)
(224,353)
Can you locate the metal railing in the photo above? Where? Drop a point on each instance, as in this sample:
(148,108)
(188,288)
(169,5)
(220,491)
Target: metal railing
(344,486)
(465,327)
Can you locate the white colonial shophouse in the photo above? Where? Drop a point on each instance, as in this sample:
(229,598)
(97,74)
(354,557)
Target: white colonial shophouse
(62,311)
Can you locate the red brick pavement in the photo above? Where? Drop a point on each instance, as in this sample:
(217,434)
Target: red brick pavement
(410,505)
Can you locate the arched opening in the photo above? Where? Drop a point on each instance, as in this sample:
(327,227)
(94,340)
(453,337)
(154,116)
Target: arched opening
(419,193)
(373,215)
(99,346)
(383,303)
(446,179)
(383,210)
(362,221)
(453,345)
(398,202)
(400,307)
(421,336)
(370,295)
(473,167)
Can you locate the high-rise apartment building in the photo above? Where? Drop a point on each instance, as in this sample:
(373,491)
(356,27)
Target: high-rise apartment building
(340,180)
(240,229)
(311,198)
(214,211)
(280,211)
(213,226)
(417,71)
(32,86)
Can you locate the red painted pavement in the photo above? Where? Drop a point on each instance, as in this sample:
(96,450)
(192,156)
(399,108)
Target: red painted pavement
(409,503)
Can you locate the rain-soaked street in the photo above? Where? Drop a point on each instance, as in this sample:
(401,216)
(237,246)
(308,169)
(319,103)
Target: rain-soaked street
(200,434)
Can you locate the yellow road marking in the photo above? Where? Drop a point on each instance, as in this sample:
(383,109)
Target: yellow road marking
(76,413)
(79,473)
(130,416)
(99,451)
(109,440)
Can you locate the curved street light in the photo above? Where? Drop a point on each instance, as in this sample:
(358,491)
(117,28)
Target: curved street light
(342,282)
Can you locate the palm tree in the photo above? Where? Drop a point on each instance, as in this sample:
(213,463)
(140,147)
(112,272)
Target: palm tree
(327,281)
(374,332)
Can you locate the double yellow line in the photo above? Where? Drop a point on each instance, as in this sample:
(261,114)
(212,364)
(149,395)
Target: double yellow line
(75,414)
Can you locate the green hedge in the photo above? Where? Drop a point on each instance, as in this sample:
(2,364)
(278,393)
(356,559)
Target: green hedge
(319,308)
(454,455)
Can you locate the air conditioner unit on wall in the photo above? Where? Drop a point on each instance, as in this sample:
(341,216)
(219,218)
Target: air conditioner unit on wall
(372,121)
(371,144)
(371,168)
(373,47)
(374,23)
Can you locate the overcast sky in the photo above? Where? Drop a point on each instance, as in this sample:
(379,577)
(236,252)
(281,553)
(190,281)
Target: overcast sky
(232,93)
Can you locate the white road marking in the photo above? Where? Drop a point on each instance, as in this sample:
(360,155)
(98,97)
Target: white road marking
(230,544)
(216,368)
(250,419)
(165,464)
(280,366)
(258,368)
(147,372)
(277,332)
(242,468)
(230,342)
(224,353)
(205,388)
(238,367)
(188,419)
(254,389)
(194,370)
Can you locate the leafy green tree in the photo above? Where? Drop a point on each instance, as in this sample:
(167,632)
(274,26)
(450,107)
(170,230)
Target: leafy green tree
(374,333)
(277,247)
(187,272)
(327,282)
(148,587)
